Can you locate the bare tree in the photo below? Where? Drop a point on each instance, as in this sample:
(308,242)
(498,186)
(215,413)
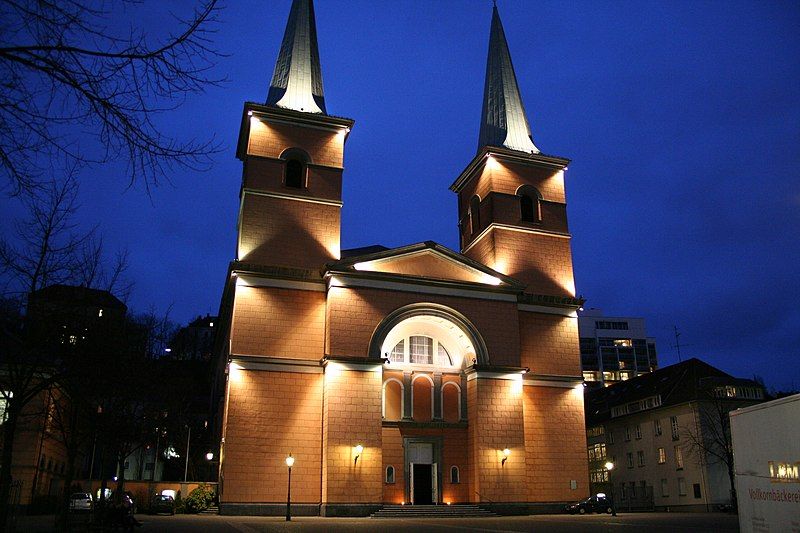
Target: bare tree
(67,74)
(47,248)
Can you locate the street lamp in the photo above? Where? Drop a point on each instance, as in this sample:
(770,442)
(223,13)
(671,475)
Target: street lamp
(289,463)
(609,467)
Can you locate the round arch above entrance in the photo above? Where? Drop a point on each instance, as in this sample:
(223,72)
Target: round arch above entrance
(463,335)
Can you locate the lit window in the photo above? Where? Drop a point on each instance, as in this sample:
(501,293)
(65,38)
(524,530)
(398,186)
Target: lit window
(100,312)
(421,350)
(678,458)
(398,354)
(442,357)
(662,456)
(455,476)
(390,474)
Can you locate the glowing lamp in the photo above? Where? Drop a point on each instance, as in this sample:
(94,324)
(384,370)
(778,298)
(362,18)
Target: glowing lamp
(209,456)
(359,449)
(609,466)
(289,461)
(506,453)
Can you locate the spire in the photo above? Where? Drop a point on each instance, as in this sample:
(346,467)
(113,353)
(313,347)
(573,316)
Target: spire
(297,80)
(503,121)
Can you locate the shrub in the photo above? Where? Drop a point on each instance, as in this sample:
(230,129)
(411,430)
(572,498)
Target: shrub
(199,499)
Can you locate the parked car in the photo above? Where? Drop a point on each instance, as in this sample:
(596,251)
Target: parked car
(162,503)
(80,501)
(595,504)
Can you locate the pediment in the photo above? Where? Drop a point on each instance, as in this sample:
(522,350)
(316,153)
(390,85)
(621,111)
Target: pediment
(428,261)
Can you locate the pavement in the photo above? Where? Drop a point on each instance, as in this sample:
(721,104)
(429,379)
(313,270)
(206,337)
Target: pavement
(651,522)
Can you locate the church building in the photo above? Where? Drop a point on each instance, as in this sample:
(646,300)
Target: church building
(412,375)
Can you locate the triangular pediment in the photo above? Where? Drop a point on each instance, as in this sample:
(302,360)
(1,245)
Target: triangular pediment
(427,261)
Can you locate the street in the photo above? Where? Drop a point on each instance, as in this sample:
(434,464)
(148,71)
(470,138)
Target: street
(652,522)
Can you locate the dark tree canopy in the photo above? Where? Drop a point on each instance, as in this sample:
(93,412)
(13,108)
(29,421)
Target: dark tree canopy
(69,75)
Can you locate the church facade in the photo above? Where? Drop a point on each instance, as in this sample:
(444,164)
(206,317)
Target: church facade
(413,375)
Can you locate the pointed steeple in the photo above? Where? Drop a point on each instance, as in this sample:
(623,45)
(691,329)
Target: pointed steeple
(503,120)
(297,80)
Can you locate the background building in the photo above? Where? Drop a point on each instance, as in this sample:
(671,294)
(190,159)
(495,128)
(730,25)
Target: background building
(668,434)
(614,348)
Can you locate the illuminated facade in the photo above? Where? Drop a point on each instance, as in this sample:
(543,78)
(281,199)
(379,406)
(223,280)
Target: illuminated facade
(408,375)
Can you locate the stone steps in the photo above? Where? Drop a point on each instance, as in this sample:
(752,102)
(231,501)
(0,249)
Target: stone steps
(432,511)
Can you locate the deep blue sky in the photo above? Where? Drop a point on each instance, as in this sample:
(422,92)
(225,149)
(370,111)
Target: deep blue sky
(682,120)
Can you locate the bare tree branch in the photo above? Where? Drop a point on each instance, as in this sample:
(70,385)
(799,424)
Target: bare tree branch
(66,74)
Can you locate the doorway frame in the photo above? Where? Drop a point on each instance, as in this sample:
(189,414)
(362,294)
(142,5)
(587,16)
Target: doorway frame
(437,443)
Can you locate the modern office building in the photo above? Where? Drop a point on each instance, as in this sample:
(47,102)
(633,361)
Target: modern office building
(614,348)
(417,374)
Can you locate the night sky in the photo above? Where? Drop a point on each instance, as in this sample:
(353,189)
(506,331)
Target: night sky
(682,120)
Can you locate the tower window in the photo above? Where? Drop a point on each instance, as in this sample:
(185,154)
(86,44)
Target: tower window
(474,215)
(295,171)
(530,204)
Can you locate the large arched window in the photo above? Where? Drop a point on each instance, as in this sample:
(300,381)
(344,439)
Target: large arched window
(451,402)
(295,173)
(475,214)
(422,398)
(392,399)
(530,204)
(420,350)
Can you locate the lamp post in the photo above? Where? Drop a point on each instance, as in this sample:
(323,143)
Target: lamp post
(289,463)
(609,467)
(506,453)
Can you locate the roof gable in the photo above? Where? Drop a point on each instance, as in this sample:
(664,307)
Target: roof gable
(426,260)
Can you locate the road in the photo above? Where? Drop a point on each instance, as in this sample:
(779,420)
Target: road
(650,522)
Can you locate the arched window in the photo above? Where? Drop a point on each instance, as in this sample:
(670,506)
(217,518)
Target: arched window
(455,476)
(392,399)
(390,474)
(421,350)
(297,161)
(451,402)
(475,214)
(422,398)
(294,174)
(530,204)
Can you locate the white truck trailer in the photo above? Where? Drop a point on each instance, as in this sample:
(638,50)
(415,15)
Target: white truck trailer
(766,453)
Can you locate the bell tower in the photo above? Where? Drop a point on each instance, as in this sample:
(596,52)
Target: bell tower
(293,157)
(511,199)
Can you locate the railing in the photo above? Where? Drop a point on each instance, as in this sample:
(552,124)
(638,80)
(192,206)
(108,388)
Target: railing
(481,497)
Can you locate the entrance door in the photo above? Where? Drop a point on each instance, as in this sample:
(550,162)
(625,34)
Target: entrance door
(422,488)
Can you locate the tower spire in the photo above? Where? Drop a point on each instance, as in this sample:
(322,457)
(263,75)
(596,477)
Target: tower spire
(297,80)
(503,120)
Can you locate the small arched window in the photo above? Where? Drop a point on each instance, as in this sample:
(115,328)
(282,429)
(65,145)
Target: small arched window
(475,214)
(390,474)
(455,476)
(294,174)
(297,161)
(530,204)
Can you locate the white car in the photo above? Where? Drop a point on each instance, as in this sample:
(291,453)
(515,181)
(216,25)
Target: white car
(80,501)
